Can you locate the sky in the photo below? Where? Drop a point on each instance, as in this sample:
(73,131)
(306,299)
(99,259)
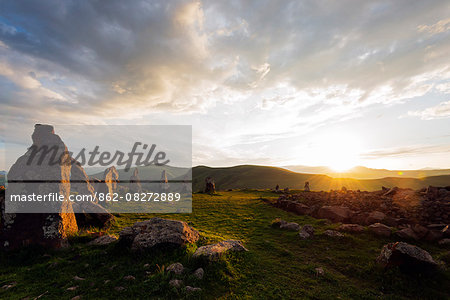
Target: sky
(335,83)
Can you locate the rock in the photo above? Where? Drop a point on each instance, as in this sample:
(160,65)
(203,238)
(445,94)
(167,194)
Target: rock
(129,278)
(306,188)
(76,278)
(444,242)
(276,223)
(407,233)
(177,283)
(10,285)
(119,288)
(405,255)
(334,213)
(157,232)
(103,240)
(375,217)
(333,233)
(433,235)
(309,229)
(304,235)
(175,268)
(190,289)
(76,298)
(46,167)
(87,213)
(199,273)
(319,271)
(380,229)
(446,231)
(420,231)
(72,288)
(109,184)
(301,209)
(135,182)
(290,226)
(214,251)
(210,186)
(353,228)
(164,184)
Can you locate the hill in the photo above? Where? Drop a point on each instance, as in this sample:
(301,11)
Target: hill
(262,177)
(360,172)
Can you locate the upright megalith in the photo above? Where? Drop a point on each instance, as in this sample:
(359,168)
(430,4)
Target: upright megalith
(306,188)
(43,170)
(164,183)
(88,213)
(135,182)
(210,185)
(110,179)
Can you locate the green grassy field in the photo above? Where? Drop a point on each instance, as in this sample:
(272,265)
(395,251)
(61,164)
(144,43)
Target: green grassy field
(278,266)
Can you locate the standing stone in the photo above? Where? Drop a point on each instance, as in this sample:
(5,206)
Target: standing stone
(164,184)
(210,185)
(87,213)
(306,188)
(47,164)
(135,182)
(110,178)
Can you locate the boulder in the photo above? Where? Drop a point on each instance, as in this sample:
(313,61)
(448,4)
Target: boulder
(353,228)
(176,268)
(214,251)
(156,232)
(380,229)
(301,209)
(276,223)
(199,273)
(290,226)
(334,213)
(176,283)
(405,255)
(44,169)
(308,228)
(333,233)
(306,232)
(444,242)
(420,231)
(375,217)
(103,240)
(407,234)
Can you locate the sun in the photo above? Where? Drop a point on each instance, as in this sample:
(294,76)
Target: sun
(339,151)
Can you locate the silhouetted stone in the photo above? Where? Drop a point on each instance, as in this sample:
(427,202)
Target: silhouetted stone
(164,185)
(51,174)
(210,185)
(135,182)
(306,188)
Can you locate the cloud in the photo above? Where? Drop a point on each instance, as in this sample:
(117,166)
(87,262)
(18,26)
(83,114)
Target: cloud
(440,111)
(413,150)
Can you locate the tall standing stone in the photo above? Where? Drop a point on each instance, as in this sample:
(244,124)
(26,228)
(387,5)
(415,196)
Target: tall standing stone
(135,182)
(164,184)
(210,185)
(45,168)
(110,179)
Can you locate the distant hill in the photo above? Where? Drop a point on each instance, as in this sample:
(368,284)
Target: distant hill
(149,173)
(262,177)
(368,173)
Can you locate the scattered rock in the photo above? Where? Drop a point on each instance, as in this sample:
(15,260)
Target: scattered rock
(375,217)
(72,288)
(405,255)
(177,283)
(407,234)
(420,231)
(334,213)
(119,288)
(333,233)
(309,229)
(76,278)
(106,281)
(103,240)
(175,268)
(129,278)
(190,289)
(380,230)
(8,286)
(157,232)
(319,271)
(290,226)
(199,273)
(76,298)
(276,223)
(353,228)
(215,250)
(444,242)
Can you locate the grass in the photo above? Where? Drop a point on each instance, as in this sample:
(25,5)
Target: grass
(278,266)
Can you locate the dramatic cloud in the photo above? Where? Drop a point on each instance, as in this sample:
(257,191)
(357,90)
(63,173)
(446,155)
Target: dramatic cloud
(436,112)
(281,69)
